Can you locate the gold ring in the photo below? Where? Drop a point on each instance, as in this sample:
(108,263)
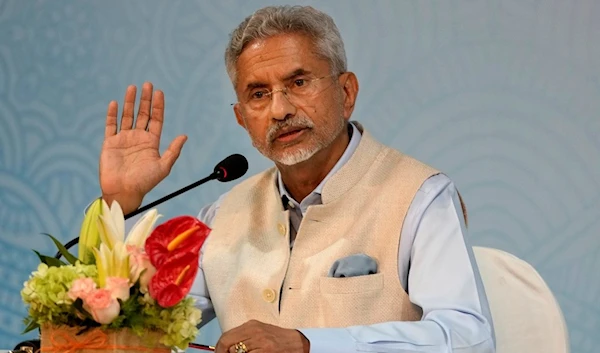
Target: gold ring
(241,348)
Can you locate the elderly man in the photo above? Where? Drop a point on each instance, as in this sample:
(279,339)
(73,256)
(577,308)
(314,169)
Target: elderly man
(345,245)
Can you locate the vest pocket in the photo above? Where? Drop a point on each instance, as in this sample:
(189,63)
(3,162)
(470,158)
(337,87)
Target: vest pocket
(350,285)
(351,300)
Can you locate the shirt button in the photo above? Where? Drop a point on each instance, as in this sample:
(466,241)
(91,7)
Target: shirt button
(268,295)
(281,228)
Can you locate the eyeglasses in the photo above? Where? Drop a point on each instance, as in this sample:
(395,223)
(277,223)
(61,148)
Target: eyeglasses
(297,91)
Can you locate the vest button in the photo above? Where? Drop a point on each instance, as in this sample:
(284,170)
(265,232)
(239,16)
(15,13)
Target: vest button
(268,295)
(281,228)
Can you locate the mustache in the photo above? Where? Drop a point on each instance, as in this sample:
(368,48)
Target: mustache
(300,122)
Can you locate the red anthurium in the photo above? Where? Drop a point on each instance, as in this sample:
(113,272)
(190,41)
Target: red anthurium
(174,279)
(174,238)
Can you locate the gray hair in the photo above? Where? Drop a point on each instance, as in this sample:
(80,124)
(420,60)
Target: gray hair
(275,20)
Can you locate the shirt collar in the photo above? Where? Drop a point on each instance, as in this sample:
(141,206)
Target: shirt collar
(352,145)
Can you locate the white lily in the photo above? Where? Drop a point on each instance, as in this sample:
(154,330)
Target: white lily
(142,229)
(112,226)
(112,258)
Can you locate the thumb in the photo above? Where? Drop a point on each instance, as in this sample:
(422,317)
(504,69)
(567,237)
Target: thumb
(172,153)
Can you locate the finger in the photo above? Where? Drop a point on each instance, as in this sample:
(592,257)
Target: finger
(141,122)
(111,119)
(219,348)
(128,105)
(158,111)
(250,347)
(233,347)
(225,346)
(172,153)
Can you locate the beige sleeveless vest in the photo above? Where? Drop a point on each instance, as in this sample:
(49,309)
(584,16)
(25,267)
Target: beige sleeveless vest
(251,273)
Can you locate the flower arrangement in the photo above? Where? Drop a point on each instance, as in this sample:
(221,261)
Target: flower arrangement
(137,283)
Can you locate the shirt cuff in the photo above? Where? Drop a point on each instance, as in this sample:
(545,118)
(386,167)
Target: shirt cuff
(329,340)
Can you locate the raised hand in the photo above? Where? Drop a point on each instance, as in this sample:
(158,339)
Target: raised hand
(130,162)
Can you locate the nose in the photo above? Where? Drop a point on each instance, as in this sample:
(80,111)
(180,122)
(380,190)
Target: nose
(281,107)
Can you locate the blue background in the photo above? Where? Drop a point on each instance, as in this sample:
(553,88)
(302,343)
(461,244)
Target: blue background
(501,95)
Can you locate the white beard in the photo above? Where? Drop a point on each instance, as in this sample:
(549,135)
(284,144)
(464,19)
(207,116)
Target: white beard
(298,156)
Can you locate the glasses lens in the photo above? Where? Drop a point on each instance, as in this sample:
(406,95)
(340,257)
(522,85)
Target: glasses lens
(298,92)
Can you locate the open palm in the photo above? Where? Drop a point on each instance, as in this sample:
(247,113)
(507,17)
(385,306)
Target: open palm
(130,161)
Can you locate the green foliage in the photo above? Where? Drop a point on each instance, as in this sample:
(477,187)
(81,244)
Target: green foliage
(46,294)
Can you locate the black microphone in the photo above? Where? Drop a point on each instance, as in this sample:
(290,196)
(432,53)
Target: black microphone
(231,168)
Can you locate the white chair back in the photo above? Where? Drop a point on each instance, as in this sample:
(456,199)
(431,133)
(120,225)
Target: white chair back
(525,313)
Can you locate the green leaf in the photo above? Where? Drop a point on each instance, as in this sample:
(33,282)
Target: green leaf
(63,251)
(50,261)
(30,327)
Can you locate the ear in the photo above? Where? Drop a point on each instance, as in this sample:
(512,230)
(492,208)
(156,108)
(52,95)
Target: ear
(349,84)
(237,110)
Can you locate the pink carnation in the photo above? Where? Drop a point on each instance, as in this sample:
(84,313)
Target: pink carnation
(81,288)
(118,287)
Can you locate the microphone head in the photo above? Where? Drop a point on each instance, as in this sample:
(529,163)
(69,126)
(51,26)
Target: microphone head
(231,168)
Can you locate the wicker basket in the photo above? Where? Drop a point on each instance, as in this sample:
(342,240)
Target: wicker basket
(64,339)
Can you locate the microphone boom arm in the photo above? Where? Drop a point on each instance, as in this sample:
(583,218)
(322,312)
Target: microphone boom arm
(213,176)
(171,195)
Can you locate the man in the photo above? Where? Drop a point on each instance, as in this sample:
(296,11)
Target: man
(345,245)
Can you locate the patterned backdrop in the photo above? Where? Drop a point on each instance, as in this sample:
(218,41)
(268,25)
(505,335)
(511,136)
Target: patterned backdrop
(504,96)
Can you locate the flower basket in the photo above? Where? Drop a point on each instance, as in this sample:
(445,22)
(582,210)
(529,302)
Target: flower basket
(121,293)
(65,339)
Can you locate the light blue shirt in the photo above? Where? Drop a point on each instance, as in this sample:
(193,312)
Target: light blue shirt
(435,264)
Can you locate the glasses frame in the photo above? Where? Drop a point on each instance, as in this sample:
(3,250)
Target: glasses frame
(285,89)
